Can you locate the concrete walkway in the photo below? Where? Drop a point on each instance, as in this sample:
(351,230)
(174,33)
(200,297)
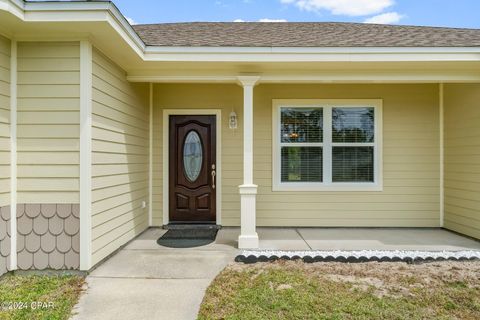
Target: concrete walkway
(147,281)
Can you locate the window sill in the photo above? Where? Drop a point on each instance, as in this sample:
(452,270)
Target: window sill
(337,187)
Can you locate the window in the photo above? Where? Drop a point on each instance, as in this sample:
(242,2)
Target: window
(301,144)
(329,145)
(353,143)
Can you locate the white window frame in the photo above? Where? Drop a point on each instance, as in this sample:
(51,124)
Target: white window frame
(327,145)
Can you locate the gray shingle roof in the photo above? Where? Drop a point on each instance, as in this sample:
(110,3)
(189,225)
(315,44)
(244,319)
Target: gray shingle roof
(303,34)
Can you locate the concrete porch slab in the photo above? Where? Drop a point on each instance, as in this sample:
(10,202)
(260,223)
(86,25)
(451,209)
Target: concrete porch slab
(227,240)
(281,238)
(326,239)
(386,239)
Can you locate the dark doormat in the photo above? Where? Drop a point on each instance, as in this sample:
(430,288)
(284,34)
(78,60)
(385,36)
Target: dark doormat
(187,238)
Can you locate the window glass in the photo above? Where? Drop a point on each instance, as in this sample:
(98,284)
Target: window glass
(192,156)
(352,164)
(302,164)
(301,125)
(351,125)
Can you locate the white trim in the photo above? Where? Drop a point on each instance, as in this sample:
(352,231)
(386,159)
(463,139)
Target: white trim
(84,11)
(51,38)
(13,155)
(441,107)
(345,56)
(150,157)
(165,156)
(183,79)
(311,54)
(15,7)
(361,76)
(248,81)
(327,184)
(312,50)
(327,148)
(85,155)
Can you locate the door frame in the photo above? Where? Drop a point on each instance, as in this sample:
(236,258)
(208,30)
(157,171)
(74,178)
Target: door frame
(165,155)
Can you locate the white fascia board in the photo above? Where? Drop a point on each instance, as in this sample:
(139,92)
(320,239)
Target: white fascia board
(311,54)
(85,11)
(311,50)
(15,7)
(312,57)
(67,11)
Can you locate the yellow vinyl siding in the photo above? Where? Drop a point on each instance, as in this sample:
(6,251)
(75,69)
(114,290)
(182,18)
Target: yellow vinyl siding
(4,121)
(462,158)
(157,199)
(48,122)
(410,197)
(119,157)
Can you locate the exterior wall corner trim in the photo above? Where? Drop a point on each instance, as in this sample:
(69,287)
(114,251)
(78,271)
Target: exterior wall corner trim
(13,155)
(85,155)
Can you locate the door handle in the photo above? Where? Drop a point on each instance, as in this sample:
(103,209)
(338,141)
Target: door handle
(214,173)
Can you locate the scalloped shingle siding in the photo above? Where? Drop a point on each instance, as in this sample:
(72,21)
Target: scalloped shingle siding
(4,239)
(48,236)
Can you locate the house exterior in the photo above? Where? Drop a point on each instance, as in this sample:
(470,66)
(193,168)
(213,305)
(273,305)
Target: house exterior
(108,129)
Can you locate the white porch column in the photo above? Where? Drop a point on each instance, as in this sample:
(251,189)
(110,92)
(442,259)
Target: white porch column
(248,238)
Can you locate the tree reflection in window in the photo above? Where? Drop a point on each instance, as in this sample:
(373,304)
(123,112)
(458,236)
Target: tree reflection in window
(302,125)
(353,125)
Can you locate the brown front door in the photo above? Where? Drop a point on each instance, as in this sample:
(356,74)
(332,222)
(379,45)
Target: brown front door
(192,162)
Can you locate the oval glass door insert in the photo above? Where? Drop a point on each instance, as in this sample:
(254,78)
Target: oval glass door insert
(192,156)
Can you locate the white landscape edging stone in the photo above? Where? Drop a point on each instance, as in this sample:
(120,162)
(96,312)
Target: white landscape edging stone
(251,256)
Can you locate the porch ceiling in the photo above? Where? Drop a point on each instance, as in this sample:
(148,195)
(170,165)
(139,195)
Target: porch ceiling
(308,72)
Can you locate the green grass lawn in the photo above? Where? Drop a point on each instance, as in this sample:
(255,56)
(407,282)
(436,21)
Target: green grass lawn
(38,297)
(294,290)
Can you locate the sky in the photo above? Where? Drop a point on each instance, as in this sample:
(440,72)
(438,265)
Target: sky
(448,13)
